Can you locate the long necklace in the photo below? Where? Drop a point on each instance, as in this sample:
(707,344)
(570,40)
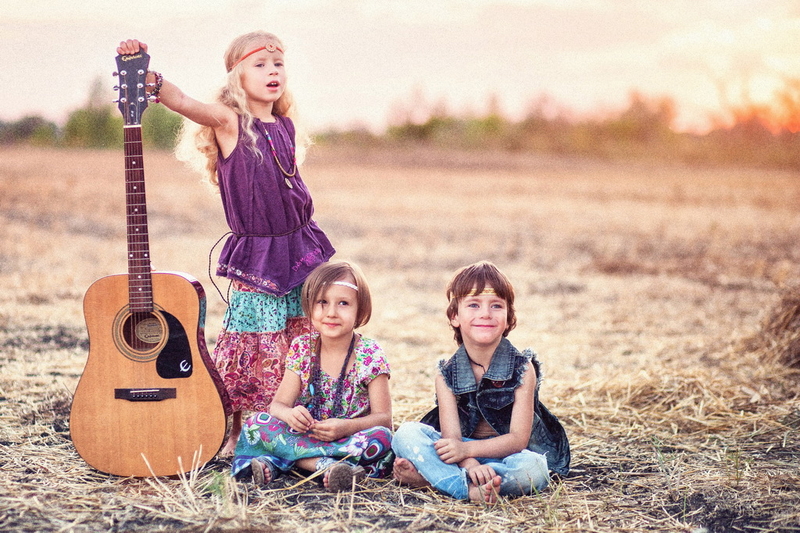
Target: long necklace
(316,386)
(286,174)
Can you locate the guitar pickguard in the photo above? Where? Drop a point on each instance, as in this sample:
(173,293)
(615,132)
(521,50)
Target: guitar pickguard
(175,360)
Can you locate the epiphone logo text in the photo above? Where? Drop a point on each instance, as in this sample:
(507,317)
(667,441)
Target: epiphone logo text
(130,58)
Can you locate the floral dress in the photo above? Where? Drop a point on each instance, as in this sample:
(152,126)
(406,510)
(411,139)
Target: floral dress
(269,439)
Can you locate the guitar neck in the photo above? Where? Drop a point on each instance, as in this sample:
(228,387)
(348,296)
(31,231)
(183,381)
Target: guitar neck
(140,285)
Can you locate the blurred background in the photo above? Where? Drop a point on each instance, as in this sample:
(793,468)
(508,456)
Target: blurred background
(691,81)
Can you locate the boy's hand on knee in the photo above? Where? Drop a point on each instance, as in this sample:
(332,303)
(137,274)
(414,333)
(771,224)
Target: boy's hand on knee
(451,450)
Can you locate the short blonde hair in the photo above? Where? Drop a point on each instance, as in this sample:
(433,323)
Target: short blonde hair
(473,279)
(325,274)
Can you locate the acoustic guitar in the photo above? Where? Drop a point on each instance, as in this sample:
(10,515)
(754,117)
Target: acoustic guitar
(149,401)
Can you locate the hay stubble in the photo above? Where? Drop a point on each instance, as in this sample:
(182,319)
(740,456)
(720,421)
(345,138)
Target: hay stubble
(636,285)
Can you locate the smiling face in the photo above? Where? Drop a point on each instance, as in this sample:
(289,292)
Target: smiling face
(263,77)
(334,311)
(482,319)
(475,280)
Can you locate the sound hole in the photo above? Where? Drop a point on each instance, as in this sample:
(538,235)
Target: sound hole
(140,335)
(143,332)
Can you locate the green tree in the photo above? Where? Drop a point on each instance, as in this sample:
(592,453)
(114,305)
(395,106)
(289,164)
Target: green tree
(94,126)
(160,127)
(31,129)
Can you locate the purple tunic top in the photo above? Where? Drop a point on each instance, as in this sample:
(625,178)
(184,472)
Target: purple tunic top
(275,244)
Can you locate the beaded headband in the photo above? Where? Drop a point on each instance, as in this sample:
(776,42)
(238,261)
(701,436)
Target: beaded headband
(345,284)
(269,47)
(487,290)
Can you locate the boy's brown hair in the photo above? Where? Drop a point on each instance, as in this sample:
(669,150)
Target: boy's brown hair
(477,277)
(325,274)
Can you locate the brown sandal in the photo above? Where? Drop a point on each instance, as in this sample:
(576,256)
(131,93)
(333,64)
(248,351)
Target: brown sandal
(259,472)
(343,477)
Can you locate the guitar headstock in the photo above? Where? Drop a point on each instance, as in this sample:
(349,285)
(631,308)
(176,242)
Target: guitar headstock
(132,71)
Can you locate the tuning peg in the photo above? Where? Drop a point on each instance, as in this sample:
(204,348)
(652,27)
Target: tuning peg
(116,87)
(115,73)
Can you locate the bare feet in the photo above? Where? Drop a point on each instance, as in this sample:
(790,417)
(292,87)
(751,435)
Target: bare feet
(406,473)
(229,448)
(486,493)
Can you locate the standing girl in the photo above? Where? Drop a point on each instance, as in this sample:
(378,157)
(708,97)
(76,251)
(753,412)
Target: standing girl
(247,142)
(333,410)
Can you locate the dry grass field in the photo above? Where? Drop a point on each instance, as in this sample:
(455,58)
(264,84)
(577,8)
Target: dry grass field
(646,291)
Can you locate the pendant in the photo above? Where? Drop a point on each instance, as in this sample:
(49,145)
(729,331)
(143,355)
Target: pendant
(288,183)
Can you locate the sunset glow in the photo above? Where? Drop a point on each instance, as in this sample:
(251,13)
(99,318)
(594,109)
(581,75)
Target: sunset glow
(351,62)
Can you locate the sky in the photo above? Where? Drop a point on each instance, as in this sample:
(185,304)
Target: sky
(354,63)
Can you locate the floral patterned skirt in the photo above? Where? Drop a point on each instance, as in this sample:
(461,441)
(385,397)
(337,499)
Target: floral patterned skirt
(270,439)
(251,348)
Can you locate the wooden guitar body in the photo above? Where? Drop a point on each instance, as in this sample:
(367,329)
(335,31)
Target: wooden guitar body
(149,400)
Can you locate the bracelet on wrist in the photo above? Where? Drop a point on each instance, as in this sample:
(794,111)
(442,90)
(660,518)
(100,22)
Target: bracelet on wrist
(156,86)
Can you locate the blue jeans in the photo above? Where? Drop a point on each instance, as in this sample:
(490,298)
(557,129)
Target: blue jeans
(520,473)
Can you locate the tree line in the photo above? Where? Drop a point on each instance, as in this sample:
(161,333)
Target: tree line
(756,135)
(763,135)
(98,124)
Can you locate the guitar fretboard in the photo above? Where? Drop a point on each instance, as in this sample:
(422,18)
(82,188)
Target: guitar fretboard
(140,286)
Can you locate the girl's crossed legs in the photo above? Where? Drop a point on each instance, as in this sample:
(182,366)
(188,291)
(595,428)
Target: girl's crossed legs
(267,438)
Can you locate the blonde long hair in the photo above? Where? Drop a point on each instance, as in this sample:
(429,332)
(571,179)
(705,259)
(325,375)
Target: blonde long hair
(197,145)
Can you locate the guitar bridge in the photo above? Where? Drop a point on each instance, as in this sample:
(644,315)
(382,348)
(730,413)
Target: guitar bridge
(145,395)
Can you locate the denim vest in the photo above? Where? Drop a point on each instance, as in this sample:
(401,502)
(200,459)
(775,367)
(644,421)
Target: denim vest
(493,400)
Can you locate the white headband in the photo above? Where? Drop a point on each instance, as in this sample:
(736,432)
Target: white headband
(345,284)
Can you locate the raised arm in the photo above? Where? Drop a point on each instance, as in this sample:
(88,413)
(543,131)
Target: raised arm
(220,117)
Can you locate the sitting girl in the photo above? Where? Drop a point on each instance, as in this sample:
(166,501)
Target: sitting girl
(332,411)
